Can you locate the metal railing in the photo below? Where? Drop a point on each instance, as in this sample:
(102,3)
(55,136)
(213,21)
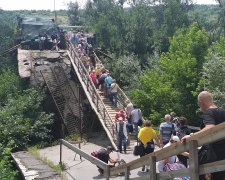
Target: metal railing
(89,87)
(90,158)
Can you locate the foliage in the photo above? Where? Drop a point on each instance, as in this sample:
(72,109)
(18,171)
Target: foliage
(22,120)
(172,87)
(6,172)
(74,14)
(125,69)
(7,30)
(215,71)
(9,86)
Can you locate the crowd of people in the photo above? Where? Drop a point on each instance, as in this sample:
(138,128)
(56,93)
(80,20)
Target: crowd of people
(173,129)
(129,120)
(100,76)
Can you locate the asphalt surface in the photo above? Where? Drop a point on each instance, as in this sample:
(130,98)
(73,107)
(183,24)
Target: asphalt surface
(81,169)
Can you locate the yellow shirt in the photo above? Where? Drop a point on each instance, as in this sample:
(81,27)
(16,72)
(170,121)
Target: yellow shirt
(146,134)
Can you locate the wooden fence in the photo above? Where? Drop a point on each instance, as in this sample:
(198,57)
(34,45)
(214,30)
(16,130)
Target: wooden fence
(209,136)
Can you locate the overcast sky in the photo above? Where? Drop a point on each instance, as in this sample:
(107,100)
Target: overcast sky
(59,4)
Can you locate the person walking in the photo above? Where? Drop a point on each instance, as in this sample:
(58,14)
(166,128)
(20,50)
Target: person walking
(108,82)
(121,131)
(113,93)
(166,129)
(146,136)
(135,117)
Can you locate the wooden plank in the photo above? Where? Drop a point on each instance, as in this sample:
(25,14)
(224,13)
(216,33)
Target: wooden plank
(127,173)
(193,159)
(212,167)
(153,168)
(173,174)
(208,136)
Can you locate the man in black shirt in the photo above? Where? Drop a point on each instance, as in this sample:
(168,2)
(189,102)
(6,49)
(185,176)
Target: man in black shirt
(212,115)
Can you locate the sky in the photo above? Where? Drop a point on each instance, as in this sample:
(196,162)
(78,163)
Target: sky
(59,4)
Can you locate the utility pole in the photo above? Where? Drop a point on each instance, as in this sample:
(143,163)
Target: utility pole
(55,11)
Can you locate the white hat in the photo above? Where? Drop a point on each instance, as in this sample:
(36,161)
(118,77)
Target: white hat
(175,138)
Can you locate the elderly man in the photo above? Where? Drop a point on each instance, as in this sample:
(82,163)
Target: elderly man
(166,129)
(212,115)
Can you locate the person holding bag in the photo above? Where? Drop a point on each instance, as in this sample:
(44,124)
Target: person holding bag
(146,136)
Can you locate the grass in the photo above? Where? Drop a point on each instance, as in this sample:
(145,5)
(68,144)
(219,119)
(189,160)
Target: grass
(59,168)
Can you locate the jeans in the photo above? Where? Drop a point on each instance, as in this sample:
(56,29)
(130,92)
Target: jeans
(113,98)
(135,129)
(121,142)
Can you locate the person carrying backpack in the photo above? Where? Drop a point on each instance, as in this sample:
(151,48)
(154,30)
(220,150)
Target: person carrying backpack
(182,130)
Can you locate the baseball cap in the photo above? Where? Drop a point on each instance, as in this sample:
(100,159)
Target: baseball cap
(109,148)
(175,138)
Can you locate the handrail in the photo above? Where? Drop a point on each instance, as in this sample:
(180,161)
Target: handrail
(121,96)
(90,158)
(209,136)
(90,87)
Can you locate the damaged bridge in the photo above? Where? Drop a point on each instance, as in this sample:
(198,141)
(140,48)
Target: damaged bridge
(71,89)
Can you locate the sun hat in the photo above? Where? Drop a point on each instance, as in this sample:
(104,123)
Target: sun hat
(175,138)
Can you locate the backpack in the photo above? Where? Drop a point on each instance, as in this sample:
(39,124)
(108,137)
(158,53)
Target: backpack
(95,154)
(181,132)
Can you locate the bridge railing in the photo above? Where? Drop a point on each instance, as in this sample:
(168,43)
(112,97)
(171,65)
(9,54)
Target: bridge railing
(123,100)
(90,158)
(193,171)
(90,87)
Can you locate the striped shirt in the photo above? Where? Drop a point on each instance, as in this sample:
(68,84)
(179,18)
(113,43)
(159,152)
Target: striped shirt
(166,129)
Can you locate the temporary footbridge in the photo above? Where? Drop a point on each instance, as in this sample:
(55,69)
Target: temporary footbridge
(101,105)
(69,103)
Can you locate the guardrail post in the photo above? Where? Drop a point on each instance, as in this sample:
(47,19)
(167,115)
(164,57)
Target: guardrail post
(97,103)
(153,175)
(104,114)
(60,158)
(193,160)
(107,172)
(127,173)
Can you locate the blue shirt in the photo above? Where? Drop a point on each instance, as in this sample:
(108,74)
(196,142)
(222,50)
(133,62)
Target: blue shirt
(108,81)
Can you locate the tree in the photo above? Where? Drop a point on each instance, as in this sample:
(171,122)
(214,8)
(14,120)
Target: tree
(173,86)
(215,72)
(74,14)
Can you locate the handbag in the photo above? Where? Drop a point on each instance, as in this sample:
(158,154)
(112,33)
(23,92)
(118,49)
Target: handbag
(138,150)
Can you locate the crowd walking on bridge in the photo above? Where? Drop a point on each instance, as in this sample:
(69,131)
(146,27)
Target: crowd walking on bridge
(174,129)
(129,121)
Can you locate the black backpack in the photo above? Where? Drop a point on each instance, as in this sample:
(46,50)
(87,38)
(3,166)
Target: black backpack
(182,131)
